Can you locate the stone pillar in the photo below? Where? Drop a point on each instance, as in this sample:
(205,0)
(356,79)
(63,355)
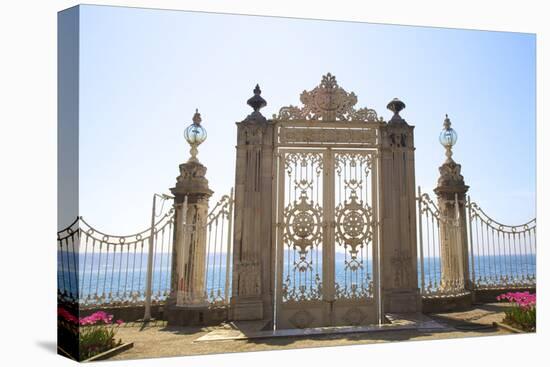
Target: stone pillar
(253,268)
(191,195)
(187,302)
(398,253)
(451,199)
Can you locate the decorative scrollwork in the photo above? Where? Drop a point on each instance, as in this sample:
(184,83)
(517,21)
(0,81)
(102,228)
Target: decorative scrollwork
(303,227)
(304,292)
(477,212)
(328,102)
(427,205)
(355,291)
(221,209)
(354,224)
(353,160)
(303,159)
(450,174)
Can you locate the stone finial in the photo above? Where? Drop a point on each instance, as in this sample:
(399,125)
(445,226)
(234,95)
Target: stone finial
(447,121)
(257,103)
(396,106)
(197,117)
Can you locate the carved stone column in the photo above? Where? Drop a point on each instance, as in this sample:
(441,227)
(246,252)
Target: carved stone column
(190,235)
(451,198)
(187,301)
(399,280)
(253,268)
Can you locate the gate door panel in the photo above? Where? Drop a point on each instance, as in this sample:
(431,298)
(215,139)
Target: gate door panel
(301,239)
(325,240)
(355,234)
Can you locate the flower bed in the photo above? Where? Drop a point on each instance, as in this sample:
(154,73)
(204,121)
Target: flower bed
(523,312)
(95,333)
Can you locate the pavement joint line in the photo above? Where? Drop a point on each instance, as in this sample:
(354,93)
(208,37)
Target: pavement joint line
(425,325)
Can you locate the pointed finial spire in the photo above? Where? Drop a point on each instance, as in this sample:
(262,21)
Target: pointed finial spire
(197,117)
(447,122)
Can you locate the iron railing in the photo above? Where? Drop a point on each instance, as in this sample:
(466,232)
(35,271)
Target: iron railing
(67,261)
(431,259)
(97,269)
(219,246)
(115,281)
(499,256)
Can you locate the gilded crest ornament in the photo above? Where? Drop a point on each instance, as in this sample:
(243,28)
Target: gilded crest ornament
(328,102)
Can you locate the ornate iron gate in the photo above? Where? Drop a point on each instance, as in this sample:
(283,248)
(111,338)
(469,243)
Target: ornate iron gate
(327,211)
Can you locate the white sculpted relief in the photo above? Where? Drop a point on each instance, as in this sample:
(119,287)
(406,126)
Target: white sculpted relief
(328,102)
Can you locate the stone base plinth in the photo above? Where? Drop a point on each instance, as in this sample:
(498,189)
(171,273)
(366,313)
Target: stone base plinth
(399,301)
(195,315)
(243,309)
(447,303)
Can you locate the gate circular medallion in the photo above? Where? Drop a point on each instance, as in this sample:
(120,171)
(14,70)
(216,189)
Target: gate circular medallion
(302,223)
(353,223)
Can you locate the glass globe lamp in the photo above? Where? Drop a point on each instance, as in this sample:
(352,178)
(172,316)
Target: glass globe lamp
(195,135)
(448,137)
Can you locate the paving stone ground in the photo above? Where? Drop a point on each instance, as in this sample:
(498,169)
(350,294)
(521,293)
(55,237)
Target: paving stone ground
(158,340)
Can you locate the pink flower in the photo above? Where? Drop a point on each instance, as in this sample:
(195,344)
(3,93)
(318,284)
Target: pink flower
(66,315)
(525,300)
(119,322)
(96,317)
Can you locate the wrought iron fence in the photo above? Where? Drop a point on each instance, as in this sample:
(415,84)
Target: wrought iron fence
(67,260)
(431,259)
(499,256)
(112,269)
(98,269)
(219,240)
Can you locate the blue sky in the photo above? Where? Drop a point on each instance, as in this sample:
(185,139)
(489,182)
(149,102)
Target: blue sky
(143,72)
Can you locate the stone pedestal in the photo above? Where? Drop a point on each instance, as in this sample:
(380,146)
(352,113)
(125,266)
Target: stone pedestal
(398,256)
(451,196)
(253,272)
(190,315)
(191,195)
